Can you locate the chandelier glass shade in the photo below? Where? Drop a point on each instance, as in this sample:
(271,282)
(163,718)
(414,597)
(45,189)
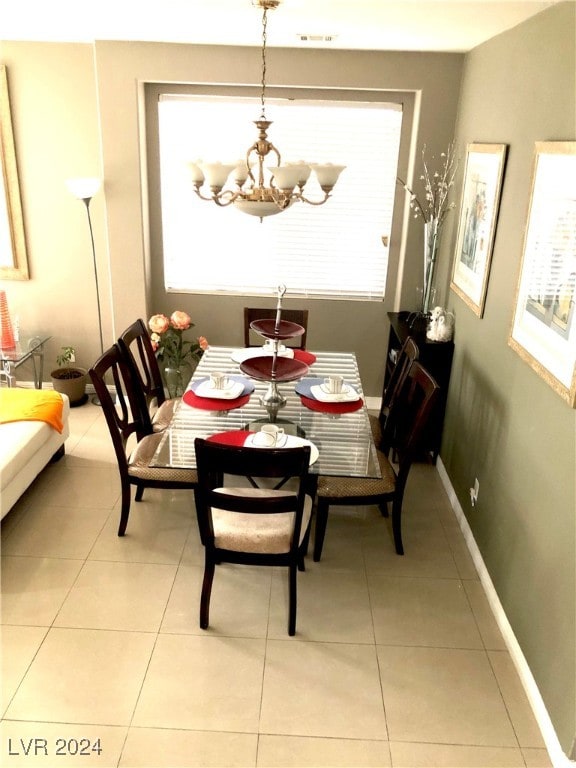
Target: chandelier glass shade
(260,185)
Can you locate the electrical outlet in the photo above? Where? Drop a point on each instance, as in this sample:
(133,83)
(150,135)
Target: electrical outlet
(474,492)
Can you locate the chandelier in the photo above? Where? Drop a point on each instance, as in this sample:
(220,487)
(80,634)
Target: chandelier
(262,189)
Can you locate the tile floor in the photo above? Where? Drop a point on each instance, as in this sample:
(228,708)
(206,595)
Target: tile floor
(397,661)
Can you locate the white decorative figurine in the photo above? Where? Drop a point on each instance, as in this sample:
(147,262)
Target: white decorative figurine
(441,325)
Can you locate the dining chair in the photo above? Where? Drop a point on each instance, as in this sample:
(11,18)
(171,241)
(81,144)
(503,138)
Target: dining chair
(410,412)
(136,346)
(299,316)
(134,450)
(266,525)
(382,431)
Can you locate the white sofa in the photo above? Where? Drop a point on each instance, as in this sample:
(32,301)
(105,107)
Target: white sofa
(26,447)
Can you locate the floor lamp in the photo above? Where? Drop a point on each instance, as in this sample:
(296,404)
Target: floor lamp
(85,189)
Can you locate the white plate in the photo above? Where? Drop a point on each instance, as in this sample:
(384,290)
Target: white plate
(239,355)
(233,390)
(348,394)
(290,442)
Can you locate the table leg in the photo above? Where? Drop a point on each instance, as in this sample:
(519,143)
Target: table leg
(6,373)
(38,372)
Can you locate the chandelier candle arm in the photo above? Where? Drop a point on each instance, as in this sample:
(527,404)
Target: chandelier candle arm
(253,194)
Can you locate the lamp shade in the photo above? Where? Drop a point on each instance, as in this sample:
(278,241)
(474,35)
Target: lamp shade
(84,188)
(327,174)
(217,173)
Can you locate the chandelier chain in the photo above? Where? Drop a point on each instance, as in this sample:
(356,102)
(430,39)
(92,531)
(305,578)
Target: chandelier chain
(263,82)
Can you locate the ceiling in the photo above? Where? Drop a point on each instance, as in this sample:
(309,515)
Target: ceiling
(413,25)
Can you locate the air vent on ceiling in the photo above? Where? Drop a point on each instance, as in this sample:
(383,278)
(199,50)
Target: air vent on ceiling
(316,38)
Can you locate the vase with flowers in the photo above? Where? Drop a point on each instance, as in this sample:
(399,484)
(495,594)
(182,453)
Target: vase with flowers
(177,356)
(432,208)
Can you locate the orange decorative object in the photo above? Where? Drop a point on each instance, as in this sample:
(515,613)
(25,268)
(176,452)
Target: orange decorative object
(6,333)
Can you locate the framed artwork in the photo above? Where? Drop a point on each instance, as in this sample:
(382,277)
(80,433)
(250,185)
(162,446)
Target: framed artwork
(481,190)
(544,324)
(13,260)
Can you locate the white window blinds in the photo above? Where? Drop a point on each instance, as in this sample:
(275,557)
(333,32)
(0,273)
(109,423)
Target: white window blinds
(329,251)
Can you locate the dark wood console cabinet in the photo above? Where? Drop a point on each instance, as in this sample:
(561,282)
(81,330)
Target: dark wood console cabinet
(436,357)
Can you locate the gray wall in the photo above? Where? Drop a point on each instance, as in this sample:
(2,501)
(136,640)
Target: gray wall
(504,424)
(433,79)
(78,110)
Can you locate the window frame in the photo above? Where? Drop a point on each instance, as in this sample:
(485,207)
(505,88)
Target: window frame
(407,100)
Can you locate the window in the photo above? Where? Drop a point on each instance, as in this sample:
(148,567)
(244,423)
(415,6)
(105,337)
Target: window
(331,251)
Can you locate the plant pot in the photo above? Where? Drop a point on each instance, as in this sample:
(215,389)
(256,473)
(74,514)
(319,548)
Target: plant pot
(71,382)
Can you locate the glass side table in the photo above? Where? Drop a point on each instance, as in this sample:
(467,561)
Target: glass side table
(27,348)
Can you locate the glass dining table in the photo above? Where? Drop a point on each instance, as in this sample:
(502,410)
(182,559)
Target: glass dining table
(341,434)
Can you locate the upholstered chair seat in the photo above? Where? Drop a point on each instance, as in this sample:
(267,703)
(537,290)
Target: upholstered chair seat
(267,534)
(141,457)
(342,487)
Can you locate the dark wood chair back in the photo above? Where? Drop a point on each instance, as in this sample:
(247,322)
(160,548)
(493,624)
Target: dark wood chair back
(136,346)
(407,355)
(299,316)
(132,438)
(121,410)
(409,414)
(280,477)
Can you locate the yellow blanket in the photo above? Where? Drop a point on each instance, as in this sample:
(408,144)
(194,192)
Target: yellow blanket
(31,405)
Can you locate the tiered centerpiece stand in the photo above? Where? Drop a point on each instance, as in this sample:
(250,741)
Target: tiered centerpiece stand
(274,368)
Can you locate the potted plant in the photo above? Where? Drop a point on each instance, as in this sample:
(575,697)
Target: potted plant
(69,379)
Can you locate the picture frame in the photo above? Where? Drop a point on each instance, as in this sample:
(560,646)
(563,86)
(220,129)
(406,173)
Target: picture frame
(543,328)
(481,191)
(13,256)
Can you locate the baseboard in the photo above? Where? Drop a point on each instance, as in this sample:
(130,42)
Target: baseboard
(557,755)
(373,403)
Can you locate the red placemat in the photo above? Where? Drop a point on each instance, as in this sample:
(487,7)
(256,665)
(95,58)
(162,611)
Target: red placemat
(316,405)
(304,356)
(213,403)
(235,437)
